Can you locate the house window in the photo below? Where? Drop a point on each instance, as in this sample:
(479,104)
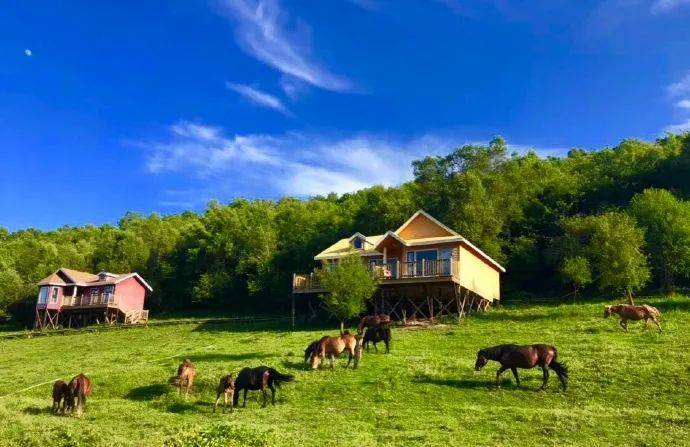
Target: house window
(43,295)
(54,297)
(108,293)
(94,296)
(357,243)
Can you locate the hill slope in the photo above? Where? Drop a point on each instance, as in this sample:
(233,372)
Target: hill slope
(625,388)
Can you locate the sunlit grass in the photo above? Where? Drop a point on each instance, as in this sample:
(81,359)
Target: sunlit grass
(626,389)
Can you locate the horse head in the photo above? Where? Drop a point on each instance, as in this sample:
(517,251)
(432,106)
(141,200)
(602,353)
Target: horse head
(607,311)
(482,360)
(315,359)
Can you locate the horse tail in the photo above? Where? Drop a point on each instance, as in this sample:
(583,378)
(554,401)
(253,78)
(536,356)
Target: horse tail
(562,371)
(279,378)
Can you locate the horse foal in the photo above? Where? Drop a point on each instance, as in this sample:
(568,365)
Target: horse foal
(634,313)
(185,377)
(226,387)
(60,395)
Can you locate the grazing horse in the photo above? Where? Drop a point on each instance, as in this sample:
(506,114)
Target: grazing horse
(311,349)
(185,377)
(79,387)
(525,357)
(259,378)
(226,387)
(371,321)
(377,334)
(333,346)
(60,395)
(634,313)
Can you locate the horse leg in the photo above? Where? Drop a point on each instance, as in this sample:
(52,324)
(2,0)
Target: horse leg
(624,324)
(545,369)
(498,375)
(216,404)
(273,393)
(244,403)
(657,323)
(376,347)
(330,358)
(263,392)
(517,379)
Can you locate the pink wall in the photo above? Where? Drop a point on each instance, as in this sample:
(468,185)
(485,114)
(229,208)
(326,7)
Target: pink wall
(130,294)
(49,304)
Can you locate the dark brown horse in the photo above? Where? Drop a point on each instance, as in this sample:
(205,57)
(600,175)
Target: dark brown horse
(525,357)
(226,387)
(259,378)
(377,334)
(332,347)
(185,377)
(79,388)
(634,313)
(371,321)
(60,395)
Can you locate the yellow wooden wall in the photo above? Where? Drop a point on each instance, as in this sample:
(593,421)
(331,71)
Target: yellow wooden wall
(477,276)
(422,227)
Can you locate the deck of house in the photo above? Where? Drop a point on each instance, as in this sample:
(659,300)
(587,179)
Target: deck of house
(85,309)
(391,273)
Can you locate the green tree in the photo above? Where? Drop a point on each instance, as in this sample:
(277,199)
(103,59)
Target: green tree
(666,220)
(349,285)
(576,272)
(616,246)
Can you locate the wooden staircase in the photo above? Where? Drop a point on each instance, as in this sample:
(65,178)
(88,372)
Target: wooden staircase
(140,316)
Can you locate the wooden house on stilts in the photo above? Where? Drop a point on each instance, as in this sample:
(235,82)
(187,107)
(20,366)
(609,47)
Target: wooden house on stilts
(424,269)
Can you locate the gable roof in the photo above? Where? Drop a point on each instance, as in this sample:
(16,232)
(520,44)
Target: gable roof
(85,279)
(344,248)
(421,212)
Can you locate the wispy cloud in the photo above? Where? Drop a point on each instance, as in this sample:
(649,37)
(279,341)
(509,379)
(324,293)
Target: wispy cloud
(683,104)
(662,6)
(678,128)
(259,98)
(681,87)
(287,164)
(262,32)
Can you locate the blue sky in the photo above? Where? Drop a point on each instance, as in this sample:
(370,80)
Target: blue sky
(108,107)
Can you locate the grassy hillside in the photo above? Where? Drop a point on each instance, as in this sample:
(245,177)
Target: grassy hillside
(626,389)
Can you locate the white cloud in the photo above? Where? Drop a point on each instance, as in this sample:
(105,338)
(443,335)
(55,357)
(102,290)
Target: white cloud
(288,164)
(261,32)
(28,52)
(681,87)
(678,128)
(662,6)
(259,98)
(683,104)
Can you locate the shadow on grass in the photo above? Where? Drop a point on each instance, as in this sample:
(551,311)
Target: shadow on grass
(296,365)
(219,357)
(454,383)
(506,316)
(148,392)
(35,411)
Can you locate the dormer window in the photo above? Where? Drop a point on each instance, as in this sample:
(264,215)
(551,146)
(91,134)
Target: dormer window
(357,243)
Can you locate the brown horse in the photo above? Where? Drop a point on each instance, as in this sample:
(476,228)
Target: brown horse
(525,357)
(60,395)
(372,321)
(185,377)
(79,387)
(226,387)
(334,346)
(634,313)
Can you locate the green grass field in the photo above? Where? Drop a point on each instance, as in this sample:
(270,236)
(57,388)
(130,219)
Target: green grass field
(625,389)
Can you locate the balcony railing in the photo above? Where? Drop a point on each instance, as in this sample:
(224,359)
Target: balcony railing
(390,270)
(89,300)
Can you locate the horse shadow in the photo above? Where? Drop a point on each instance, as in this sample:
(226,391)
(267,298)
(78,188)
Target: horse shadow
(296,365)
(35,411)
(221,357)
(148,392)
(454,383)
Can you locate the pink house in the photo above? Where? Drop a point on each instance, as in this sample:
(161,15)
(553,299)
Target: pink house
(72,298)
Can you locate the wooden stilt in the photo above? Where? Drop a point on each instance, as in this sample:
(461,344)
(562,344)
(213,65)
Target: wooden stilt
(292,312)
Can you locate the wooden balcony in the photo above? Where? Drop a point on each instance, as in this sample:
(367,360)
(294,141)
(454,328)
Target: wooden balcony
(390,272)
(81,301)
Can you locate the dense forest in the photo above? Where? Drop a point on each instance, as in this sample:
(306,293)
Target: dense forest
(609,221)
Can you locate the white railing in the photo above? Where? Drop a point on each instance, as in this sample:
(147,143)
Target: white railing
(89,300)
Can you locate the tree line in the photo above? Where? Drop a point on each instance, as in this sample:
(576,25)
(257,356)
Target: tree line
(614,220)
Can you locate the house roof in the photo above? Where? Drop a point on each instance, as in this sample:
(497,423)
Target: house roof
(85,279)
(344,247)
